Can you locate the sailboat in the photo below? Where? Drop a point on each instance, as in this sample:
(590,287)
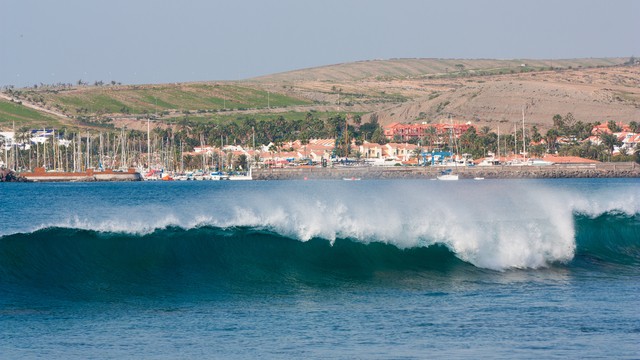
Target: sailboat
(247,176)
(447,175)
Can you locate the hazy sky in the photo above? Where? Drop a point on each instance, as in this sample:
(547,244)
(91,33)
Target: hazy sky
(145,41)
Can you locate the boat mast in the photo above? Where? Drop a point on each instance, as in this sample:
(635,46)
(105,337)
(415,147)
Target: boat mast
(148,143)
(124,155)
(44,146)
(53,149)
(515,139)
(498,142)
(88,151)
(346,137)
(524,143)
(13,147)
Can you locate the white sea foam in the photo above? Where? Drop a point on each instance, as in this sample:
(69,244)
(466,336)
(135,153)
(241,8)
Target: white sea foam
(496,225)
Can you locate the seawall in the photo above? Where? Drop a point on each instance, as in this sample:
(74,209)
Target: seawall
(40,175)
(604,170)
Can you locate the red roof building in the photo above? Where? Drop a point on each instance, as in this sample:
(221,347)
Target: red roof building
(407,132)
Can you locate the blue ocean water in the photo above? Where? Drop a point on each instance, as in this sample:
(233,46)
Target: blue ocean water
(321,269)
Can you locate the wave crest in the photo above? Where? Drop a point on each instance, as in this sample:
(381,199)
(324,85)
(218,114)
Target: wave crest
(498,225)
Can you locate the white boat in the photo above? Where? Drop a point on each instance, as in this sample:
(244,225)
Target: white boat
(351,179)
(490,160)
(199,175)
(218,176)
(478,178)
(248,176)
(446,175)
(465,160)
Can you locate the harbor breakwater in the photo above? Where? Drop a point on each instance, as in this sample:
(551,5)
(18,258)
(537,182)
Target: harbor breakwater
(608,170)
(41,175)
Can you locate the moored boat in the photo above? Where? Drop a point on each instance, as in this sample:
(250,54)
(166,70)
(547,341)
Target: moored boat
(446,175)
(217,175)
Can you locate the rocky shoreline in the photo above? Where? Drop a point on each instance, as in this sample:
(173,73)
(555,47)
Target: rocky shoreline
(609,170)
(7,175)
(605,170)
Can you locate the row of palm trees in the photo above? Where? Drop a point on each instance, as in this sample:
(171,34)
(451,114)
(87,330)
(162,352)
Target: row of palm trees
(165,145)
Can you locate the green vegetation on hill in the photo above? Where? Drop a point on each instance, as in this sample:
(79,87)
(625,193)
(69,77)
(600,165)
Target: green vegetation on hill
(393,90)
(11,112)
(158,98)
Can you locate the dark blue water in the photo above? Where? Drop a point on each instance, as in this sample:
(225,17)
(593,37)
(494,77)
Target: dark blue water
(321,269)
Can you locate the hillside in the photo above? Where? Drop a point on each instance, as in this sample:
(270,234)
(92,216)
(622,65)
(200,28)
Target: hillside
(19,114)
(485,92)
(419,68)
(591,95)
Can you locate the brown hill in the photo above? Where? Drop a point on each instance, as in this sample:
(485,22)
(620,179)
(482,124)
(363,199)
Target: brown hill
(591,95)
(484,92)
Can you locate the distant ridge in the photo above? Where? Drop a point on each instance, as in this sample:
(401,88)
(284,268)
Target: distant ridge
(416,68)
(485,92)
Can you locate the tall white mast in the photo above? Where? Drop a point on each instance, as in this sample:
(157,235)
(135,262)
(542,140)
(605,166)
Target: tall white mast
(498,142)
(515,139)
(13,147)
(148,144)
(524,142)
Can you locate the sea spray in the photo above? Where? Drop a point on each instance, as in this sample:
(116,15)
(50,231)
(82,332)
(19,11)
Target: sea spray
(496,225)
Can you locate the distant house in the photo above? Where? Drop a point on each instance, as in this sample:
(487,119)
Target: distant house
(407,132)
(594,139)
(604,128)
(371,150)
(629,141)
(7,138)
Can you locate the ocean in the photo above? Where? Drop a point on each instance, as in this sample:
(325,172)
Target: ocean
(371,269)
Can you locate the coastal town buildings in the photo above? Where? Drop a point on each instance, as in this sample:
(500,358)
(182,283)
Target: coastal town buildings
(408,144)
(407,132)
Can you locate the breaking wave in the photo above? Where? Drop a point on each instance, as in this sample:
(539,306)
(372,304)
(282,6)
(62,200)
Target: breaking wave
(298,234)
(73,258)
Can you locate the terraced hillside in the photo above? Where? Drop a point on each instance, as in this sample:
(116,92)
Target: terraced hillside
(15,113)
(484,92)
(424,68)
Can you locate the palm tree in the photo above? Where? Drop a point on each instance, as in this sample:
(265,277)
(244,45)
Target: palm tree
(552,139)
(610,141)
(431,135)
(417,153)
(273,149)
